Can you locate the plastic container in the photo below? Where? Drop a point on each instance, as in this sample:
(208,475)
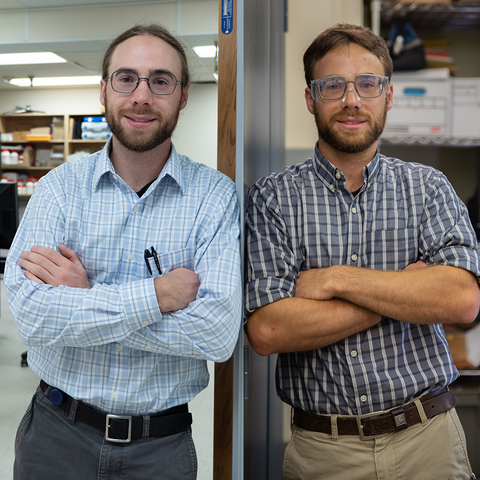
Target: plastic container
(30,186)
(28,156)
(13,157)
(6,156)
(22,189)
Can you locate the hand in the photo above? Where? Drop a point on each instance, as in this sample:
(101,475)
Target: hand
(47,266)
(176,289)
(313,284)
(416,265)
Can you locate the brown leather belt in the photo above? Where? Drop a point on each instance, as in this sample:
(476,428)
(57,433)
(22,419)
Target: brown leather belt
(377,423)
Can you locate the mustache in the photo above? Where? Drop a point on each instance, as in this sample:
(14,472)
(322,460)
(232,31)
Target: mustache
(139,111)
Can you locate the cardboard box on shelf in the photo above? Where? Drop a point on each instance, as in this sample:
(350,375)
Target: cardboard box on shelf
(20,136)
(39,131)
(464,346)
(58,129)
(421,104)
(466,107)
(56,155)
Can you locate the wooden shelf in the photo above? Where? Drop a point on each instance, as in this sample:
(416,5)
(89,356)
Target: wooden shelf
(25,121)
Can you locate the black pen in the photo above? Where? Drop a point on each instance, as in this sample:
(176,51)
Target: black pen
(157,263)
(147,255)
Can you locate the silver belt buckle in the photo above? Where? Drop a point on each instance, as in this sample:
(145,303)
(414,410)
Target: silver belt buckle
(118,417)
(359,419)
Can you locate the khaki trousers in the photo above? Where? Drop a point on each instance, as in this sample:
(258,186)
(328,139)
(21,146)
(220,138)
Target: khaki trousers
(432,450)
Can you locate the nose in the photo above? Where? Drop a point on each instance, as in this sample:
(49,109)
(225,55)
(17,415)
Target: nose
(142,93)
(350,97)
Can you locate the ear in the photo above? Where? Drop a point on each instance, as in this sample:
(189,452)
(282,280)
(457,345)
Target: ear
(103,86)
(309,100)
(390,97)
(183,103)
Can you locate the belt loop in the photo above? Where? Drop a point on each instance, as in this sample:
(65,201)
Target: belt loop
(73,411)
(334,425)
(146,427)
(421,411)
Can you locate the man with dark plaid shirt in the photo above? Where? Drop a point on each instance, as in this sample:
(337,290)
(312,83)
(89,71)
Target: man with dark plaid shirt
(354,262)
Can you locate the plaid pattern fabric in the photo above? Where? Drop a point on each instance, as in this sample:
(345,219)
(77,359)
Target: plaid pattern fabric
(305,217)
(111,346)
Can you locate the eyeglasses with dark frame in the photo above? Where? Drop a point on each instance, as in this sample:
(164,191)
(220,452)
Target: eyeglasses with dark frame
(334,87)
(159,83)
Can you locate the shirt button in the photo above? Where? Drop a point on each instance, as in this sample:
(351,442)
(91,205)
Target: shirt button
(338,175)
(130,257)
(353,353)
(119,348)
(145,322)
(363,398)
(368,185)
(354,210)
(115,177)
(331,187)
(354,257)
(135,210)
(115,395)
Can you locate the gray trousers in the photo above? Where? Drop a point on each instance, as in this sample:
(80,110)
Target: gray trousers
(50,446)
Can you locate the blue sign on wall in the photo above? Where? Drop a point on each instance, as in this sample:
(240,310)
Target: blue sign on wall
(227,16)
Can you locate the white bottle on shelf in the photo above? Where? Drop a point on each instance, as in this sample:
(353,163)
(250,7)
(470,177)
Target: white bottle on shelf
(6,156)
(14,157)
(30,186)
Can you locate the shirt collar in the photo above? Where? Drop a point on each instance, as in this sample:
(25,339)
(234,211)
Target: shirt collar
(330,174)
(173,167)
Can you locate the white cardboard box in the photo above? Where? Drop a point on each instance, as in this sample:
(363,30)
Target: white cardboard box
(466,107)
(421,104)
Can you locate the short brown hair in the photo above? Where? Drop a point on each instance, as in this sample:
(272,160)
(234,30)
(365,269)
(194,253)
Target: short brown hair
(154,30)
(345,34)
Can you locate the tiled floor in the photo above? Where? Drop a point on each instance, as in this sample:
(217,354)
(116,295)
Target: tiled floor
(19,384)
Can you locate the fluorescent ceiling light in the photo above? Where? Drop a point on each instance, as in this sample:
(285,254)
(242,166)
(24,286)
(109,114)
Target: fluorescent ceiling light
(206,51)
(55,81)
(30,58)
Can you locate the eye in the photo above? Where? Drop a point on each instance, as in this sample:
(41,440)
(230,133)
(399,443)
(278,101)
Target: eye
(333,85)
(367,83)
(125,77)
(162,80)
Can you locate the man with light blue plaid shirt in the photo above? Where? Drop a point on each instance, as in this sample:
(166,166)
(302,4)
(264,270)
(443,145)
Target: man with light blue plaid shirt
(123,280)
(354,262)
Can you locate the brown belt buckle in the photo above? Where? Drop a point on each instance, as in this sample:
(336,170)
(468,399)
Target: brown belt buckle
(359,419)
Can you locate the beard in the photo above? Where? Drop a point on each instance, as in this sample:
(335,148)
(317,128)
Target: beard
(350,141)
(141,141)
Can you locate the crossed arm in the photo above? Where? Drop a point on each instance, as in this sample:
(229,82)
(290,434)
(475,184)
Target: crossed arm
(174,291)
(333,303)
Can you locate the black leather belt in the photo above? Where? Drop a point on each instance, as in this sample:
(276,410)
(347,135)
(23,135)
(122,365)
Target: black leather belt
(122,428)
(378,423)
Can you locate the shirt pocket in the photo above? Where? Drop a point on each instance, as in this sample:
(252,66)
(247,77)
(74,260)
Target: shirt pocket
(391,249)
(183,258)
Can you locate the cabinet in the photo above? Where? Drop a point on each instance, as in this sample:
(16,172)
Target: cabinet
(61,143)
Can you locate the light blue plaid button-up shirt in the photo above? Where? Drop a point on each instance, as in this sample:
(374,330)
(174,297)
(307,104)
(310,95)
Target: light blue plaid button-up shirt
(110,346)
(305,217)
